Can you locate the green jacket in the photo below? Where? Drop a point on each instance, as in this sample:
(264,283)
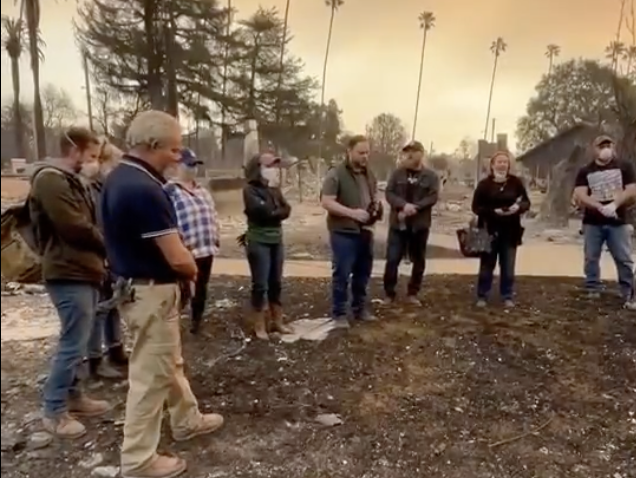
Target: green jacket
(63,216)
(341,181)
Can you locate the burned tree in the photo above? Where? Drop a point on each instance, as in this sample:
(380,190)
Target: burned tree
(581,99)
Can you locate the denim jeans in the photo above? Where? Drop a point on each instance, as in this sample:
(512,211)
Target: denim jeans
(76,303)
(266,267)
(506,253)
(398,245)
(106,333)
(106,330)
(352,258)
(619,243)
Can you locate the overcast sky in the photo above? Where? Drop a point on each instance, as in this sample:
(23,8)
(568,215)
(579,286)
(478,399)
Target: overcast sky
(375,55)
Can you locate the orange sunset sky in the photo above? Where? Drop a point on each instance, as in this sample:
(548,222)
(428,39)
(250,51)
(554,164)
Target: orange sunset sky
(375,54)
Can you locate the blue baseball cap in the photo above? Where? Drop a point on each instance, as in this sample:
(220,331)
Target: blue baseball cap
(188,158)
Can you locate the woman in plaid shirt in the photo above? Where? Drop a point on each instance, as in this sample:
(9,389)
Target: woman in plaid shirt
(198,225)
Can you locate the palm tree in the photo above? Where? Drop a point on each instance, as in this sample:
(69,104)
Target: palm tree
(552,52)
(31,9)
(12,30)
(629,56)
(613,52)
(334,5)
(226,66)
(497,47)
(427,21)
(281,60)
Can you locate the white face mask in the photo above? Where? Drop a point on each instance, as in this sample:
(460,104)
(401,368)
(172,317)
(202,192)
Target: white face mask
(90,170)
(606,154)
(272,176)
(189,173)
(500,175)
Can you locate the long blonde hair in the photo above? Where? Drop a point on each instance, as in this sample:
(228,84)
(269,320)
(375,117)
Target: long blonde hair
(109,156)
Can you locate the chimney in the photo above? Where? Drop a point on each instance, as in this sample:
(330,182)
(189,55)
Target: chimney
(502,142)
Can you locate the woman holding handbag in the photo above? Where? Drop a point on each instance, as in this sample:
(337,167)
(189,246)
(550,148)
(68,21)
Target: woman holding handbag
(499,201)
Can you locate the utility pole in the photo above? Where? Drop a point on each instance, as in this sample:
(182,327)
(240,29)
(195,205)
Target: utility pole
(492,132)
(87,87)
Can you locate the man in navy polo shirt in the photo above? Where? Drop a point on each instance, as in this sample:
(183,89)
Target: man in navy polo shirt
(143,244)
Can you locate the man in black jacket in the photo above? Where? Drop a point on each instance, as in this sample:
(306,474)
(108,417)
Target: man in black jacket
(412,191)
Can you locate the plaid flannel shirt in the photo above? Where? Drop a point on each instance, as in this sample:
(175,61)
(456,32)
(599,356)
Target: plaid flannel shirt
(197,218)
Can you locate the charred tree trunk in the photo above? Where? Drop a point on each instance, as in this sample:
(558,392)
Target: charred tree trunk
(556,208)
(153,75)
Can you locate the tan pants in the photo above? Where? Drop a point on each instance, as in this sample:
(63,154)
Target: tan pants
(155,374)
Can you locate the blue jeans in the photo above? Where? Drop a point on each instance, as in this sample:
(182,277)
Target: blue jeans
(75,303)
(506,254)
(106,333)
(106,327)
(352,258)
(619,243)
(266,268)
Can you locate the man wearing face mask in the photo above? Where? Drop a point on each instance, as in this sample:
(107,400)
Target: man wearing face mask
(198,225)
(72,254)
(604,188)
(265,209)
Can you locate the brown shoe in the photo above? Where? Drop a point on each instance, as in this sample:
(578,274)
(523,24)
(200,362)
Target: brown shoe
(83,406)
(209,423)
(64,426)
(259,324)
(278,324)
(162,466)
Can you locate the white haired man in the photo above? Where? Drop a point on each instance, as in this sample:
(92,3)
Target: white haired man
(143,245)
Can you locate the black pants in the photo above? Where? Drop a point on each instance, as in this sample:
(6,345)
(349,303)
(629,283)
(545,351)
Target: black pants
(504,252)
(266,267)
(399,244)
(197,301)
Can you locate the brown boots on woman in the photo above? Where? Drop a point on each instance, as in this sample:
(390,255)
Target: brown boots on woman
(269,321)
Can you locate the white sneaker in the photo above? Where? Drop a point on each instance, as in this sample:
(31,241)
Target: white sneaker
(630,305)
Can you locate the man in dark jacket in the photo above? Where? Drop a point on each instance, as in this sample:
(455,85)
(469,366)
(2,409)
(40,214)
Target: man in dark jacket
(349,195)
(412,191)
(72,252)
(265,209)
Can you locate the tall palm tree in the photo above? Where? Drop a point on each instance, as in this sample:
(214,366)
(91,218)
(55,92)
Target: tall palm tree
(281,59)
(613,52)
(334,5)
(629,56)
(427,21)
(497,47)
(552,52)
(226,66)
(12,30)
(31,9)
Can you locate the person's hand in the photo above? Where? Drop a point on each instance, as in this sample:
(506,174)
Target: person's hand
(609,210)
(514,209)
(360,215)
(500,212)
(409,209)
(401,216)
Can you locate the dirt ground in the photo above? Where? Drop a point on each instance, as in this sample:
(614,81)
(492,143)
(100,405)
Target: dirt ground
(547,390)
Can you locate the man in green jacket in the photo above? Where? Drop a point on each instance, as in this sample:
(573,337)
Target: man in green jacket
(72,253)
(349,195)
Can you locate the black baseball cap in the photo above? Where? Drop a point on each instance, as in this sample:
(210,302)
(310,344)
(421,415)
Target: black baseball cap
(413,146)
(603,139)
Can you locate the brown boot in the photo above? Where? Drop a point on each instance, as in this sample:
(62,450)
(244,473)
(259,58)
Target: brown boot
(161,467)
(83,406)
(259,324)
(64,426)
(277,320)
(208,423)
